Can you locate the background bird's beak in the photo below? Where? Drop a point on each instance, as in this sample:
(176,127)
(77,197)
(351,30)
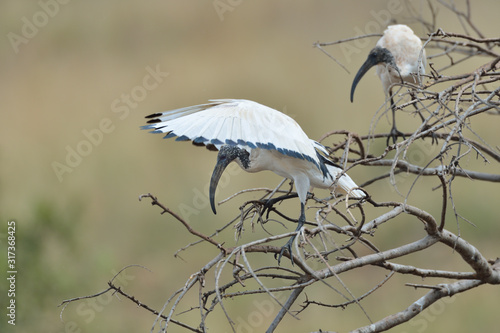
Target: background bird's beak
(222,162)
(369,63)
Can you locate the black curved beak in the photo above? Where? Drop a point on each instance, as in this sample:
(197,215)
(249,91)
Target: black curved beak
(377,55)
(223,161)
(369,63)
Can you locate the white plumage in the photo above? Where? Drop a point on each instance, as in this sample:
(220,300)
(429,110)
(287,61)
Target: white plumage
(241,123)
(405,47)
(258,138)
(396,56)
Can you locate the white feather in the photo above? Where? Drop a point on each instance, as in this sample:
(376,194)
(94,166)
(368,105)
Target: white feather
(405,47)
(239,121)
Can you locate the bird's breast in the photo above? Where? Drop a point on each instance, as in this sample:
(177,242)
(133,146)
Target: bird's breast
(283,165)
(389,75)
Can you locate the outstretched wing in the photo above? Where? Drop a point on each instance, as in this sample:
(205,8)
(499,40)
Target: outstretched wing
(241,123)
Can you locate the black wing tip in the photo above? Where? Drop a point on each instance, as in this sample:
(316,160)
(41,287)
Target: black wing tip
(153,121)
(198,144)
(154,115)
(211,147)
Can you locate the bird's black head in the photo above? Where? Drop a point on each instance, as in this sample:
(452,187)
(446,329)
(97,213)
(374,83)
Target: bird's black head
(377,56)
(381,55)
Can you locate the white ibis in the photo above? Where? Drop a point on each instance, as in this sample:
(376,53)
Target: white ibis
(397,58)
(258,138)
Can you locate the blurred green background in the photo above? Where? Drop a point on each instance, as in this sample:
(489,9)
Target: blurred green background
(65,83)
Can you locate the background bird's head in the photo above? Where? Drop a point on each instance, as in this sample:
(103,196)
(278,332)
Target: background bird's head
(378,55)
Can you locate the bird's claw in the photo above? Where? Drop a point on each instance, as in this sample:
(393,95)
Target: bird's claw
(394,135)
(434,138)
(267,205)
(433,135)
(286,247)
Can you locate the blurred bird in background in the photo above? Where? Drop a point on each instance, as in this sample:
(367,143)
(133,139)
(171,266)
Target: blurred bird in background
(397,57)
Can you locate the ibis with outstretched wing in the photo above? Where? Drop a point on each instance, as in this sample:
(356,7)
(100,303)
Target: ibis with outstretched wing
(258,138)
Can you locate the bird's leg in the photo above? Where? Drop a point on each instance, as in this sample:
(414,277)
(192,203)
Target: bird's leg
(414,97)
(394,131)
(288,245)
(426,126)
(269,203)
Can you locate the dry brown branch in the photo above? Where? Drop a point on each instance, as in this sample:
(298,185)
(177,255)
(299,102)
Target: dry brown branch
(155,202)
